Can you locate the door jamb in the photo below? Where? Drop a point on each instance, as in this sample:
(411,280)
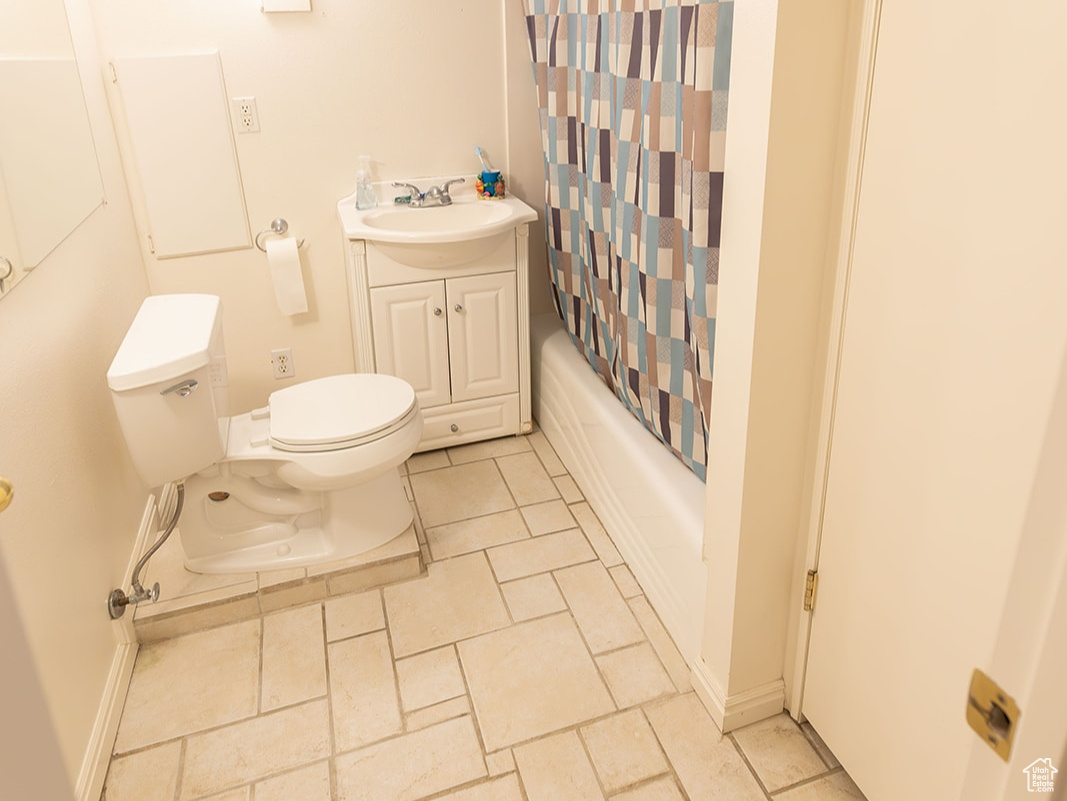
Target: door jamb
(810,540)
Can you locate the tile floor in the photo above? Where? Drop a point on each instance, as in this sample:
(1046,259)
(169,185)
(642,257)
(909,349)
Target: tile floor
(524,664)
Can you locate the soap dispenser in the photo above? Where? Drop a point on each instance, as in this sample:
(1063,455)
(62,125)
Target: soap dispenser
(366,198)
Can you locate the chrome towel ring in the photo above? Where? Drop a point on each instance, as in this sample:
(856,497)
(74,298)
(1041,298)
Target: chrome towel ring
(7,269)
(278,227)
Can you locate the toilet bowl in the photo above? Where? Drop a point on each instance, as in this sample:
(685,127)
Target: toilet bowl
(311,477)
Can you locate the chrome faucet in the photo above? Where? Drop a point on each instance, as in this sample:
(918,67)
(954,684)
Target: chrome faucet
(434,196)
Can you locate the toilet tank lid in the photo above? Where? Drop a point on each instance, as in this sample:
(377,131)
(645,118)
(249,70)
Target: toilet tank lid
(169,337)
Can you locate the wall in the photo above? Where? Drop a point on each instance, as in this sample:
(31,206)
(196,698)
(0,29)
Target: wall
(779,218)
(415,84)
(67,537)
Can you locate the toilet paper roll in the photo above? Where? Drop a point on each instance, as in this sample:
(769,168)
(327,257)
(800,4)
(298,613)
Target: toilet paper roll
(284,260)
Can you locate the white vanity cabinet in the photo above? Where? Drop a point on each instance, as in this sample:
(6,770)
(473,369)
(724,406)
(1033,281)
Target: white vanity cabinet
(458,334)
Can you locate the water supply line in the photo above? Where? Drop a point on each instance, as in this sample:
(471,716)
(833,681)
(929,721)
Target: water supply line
(117,601)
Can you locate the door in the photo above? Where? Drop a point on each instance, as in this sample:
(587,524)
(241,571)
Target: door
(411,337)
(483,335)
(954,333)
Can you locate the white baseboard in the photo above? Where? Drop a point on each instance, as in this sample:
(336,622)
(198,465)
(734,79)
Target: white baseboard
(102,738)
(733,712)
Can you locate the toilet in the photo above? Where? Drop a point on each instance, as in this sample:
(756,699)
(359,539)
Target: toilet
(309,478)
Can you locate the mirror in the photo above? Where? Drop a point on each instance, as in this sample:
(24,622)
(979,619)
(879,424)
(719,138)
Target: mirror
(49,177)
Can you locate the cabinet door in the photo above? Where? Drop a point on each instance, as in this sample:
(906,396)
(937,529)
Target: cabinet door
(483,335)
(411,337)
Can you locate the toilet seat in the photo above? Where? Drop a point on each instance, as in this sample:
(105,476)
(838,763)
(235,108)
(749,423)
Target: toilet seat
(340,411)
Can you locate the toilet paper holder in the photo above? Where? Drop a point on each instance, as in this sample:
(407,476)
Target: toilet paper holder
(279,227)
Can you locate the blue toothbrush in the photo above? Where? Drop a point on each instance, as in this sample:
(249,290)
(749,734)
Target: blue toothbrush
(482,157)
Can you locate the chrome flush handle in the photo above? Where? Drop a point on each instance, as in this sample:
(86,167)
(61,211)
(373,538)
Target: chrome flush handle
(184,388)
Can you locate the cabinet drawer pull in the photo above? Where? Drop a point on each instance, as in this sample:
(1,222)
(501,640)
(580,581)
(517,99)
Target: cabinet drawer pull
(453,428)
(459,308)
(436,311)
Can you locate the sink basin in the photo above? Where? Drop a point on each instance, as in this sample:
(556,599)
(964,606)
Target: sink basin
(434,236)
(461,220)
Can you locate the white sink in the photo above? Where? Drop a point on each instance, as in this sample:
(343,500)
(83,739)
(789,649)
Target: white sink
(434,236)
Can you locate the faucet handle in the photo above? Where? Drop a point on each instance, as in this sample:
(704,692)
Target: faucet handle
(416,193)
(441,192)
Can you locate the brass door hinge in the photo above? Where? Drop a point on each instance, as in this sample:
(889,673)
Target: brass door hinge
(811,584)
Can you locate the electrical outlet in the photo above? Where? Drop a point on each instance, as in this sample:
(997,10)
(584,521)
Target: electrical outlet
(282,359)
(244,110)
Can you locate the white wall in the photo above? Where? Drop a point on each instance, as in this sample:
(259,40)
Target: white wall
(779,216)
(415,84)
(66,538)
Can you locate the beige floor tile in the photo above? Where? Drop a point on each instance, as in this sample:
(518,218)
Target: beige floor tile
(311,783)
(459,493)
(532,679)
(363,691)
(779,752)
(191,683)
(568,488)
(527,479)
(635,675)
(836,787)
(412,766)
(366,578)
(596,534)
(429,678)
(500,762)
(532,597)
(488,449)
(457,599)
(284,597)
(157,767)
(240,794)
(659,790)
(438,713)
(430,460)
(557,769)
(661,641)
(547,454)
(272,578)
(294,657)
(352,615)
(706,763)
(624,750)
(167,627)
(399,547)
(546,517)
(255,749)
(505,788)
(540,555)
(603,616)
(820,747)
(476,534)
(625,581)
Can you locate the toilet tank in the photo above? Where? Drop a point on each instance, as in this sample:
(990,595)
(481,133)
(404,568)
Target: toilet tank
(168,383)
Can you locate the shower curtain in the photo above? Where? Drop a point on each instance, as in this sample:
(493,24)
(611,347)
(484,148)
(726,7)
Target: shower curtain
(632,97)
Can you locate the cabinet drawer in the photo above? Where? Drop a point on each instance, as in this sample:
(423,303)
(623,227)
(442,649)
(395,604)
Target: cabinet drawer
(484,418)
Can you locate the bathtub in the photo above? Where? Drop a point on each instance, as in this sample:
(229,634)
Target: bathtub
(650,503)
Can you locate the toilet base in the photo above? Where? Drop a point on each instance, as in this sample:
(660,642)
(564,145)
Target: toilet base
(258,528)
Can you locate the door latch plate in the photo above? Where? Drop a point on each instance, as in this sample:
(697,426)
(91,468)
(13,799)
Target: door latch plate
(992,713)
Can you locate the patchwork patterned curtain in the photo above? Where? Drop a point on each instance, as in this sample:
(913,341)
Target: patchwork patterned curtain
(632,95)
